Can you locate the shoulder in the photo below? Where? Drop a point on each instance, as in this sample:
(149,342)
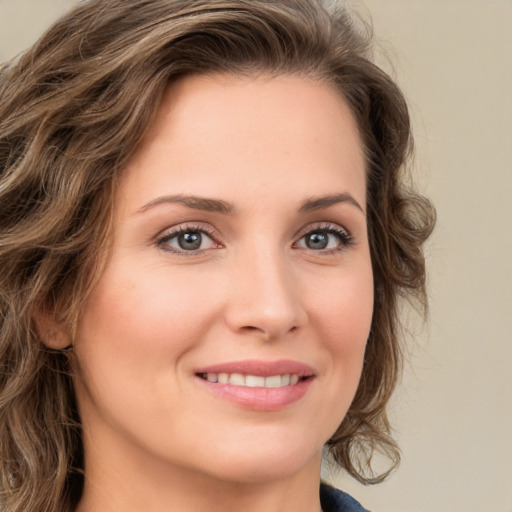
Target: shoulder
(334,500)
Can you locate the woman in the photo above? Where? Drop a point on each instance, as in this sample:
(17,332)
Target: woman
(205,232)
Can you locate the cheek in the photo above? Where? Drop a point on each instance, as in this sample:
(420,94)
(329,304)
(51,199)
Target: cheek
(344,315)
(133,336)
(143,314)
(345,305)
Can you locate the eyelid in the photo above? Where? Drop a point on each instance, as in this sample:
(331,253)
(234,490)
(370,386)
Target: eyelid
(174,231)
(346,238)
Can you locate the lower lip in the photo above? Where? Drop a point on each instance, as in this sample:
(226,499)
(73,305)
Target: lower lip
(260,399)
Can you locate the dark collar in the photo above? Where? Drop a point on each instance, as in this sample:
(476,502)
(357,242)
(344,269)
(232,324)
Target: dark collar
(334,500)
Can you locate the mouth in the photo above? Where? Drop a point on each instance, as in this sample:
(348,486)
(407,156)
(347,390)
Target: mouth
(254,381)
(258,385)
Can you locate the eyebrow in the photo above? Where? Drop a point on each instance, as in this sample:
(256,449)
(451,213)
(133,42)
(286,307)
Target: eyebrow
(220,206)
(194,202)
(319,203)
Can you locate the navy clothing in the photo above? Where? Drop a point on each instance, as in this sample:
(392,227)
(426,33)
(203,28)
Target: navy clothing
(334,500)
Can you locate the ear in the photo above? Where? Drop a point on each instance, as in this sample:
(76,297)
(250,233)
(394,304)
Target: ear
(52,332)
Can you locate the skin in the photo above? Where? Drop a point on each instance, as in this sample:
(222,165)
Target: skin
(155,438)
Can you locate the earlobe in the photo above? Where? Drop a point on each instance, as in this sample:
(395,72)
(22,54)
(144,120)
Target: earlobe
(52,332)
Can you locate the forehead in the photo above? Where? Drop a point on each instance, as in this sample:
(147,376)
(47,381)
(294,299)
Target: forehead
(252,131)
(280,103)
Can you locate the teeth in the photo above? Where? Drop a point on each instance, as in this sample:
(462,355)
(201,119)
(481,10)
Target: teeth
(223,378)
(273,381)
(253,381)
(237,379)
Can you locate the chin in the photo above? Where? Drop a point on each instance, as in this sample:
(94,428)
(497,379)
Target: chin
(263,463)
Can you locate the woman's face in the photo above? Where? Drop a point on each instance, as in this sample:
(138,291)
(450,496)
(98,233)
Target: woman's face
(226,334)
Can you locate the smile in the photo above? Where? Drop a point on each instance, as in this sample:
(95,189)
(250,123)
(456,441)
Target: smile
(258,385)
(253,381)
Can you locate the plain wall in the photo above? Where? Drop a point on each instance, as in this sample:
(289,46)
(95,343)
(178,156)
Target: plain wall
(453,411)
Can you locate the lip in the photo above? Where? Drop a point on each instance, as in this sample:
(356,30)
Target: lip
(259,398)
(260,368)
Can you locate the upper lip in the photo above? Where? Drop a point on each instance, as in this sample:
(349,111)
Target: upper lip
(260,368)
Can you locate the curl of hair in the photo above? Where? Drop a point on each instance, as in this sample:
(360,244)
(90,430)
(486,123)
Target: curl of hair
(73,110)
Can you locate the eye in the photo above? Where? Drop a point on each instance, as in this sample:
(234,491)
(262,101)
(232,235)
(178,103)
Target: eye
(326,238)
(187,239)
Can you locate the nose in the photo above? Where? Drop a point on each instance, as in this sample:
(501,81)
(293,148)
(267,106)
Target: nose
(264,299)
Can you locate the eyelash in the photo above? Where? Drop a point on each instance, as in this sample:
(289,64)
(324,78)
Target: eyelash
(163,241)
(344,238)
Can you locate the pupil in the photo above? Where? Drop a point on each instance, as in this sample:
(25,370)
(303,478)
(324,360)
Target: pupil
(190,241)
(317,240)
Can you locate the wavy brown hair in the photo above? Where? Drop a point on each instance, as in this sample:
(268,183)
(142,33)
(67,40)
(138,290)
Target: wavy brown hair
(74,108)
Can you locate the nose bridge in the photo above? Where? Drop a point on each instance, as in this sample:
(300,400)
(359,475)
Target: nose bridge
(264,294)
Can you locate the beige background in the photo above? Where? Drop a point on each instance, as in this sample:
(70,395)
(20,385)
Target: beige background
(453,411)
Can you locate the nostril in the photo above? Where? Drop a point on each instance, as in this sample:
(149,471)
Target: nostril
(268,334)
(270,321)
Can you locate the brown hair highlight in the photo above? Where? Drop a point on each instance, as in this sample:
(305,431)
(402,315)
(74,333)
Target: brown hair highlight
(74,109)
